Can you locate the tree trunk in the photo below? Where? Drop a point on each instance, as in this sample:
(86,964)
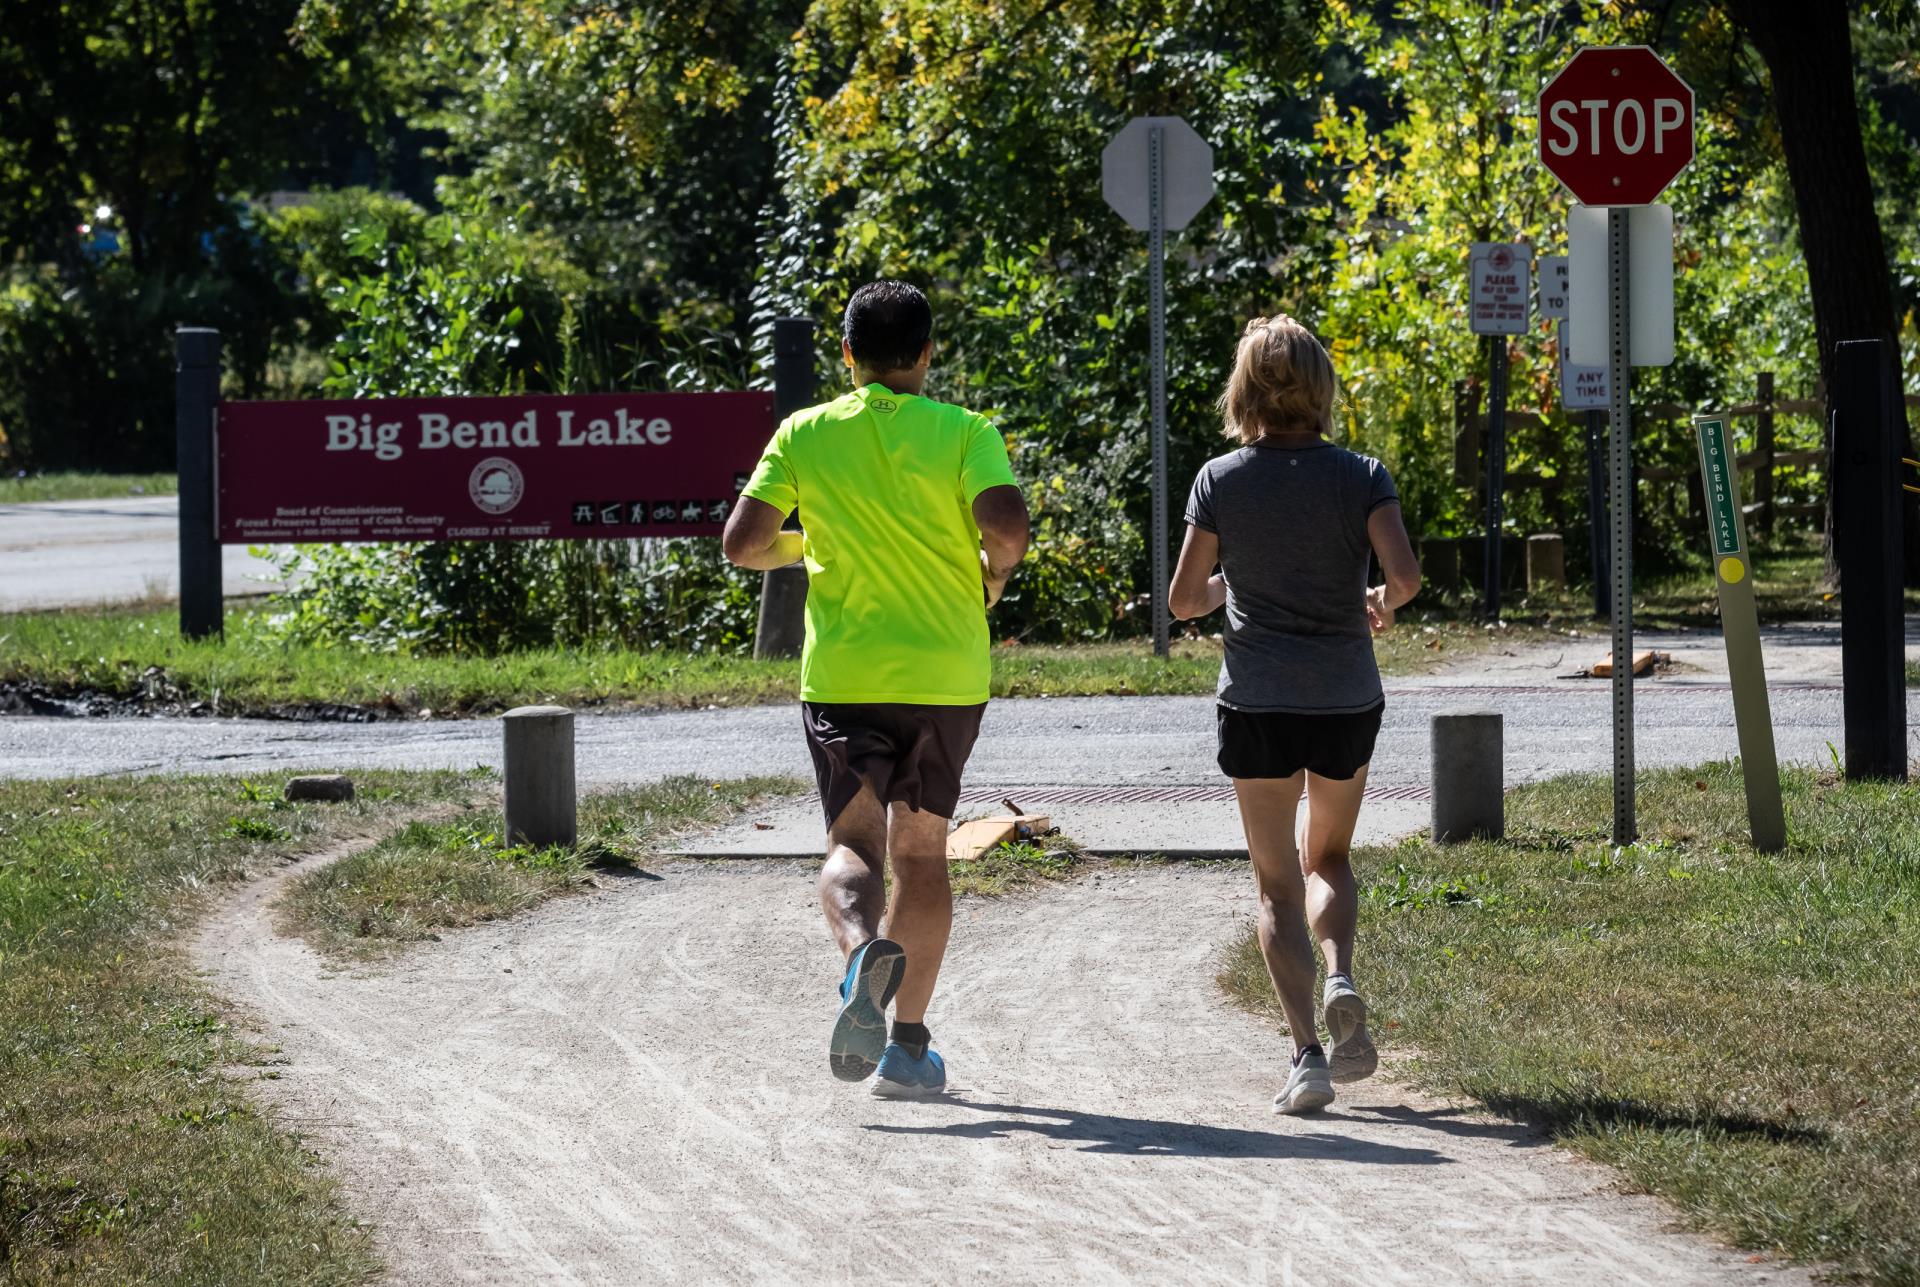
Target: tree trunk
(1809,53)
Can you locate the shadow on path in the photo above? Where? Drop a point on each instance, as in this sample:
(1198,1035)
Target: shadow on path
(1148,1137)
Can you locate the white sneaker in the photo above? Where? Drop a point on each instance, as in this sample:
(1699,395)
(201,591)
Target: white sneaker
(1352,1056)
(1308,1087)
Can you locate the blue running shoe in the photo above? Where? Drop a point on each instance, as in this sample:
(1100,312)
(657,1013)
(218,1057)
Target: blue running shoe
(902,1076)
(860,1033)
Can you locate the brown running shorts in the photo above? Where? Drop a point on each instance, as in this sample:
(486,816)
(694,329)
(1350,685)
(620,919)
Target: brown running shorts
(908,753)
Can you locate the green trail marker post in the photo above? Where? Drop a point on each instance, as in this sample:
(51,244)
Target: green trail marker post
(1740,626)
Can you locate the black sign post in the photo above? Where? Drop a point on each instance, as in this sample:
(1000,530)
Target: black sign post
(783,592)
(1597,509)
(1866,437)
(196,352)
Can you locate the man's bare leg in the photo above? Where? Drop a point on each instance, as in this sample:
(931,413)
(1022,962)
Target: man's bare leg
(920,912)
(853,889)
(852,893)
(1333,905)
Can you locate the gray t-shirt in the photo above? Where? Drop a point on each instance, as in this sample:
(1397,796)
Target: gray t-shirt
(1292,523)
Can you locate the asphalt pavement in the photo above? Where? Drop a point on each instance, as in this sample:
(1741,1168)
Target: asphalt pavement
(1117,772)
(66,554)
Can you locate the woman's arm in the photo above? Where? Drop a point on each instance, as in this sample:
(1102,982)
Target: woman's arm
(1388,533)
(1196,591)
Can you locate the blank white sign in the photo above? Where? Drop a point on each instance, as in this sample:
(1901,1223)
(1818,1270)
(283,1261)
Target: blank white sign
(1649,285)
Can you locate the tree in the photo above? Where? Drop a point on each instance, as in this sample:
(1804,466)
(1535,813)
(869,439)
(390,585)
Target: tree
(1808,49)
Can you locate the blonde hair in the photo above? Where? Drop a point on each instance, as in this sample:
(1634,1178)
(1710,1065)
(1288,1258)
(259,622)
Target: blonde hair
(1282,382)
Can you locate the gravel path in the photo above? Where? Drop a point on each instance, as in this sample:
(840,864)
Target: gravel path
(631,1086)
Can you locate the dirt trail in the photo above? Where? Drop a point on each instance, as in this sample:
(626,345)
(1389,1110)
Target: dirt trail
(631,1086)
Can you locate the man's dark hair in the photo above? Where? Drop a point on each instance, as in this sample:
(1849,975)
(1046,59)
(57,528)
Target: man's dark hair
(887,325)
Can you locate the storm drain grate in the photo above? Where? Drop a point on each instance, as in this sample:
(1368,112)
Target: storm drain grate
(1146,795)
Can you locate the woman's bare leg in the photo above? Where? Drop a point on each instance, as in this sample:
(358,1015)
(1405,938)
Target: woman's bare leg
(1332,904)
(1267,808)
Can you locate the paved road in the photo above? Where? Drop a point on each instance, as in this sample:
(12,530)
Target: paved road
(79,553)
(1035,749)
(1108,741)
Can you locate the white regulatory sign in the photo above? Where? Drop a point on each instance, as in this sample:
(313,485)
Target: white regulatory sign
(1582,388)
(1500,275)
(1553,286)
(1649,284)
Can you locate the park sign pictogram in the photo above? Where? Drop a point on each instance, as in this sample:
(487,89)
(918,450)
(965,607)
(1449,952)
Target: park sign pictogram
(1616,125)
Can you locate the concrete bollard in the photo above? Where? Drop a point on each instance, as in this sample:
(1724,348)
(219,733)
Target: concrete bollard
(1546,563)
(1469,772)
(539,772)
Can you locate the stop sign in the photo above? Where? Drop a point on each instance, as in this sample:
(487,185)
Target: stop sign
(1616,125)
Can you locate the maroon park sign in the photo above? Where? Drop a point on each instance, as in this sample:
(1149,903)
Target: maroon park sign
(487,469)
(1616,125)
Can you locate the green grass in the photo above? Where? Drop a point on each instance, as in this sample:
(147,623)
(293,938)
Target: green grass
(1735,1031)
(139,657)
(1913,674)
(128,1149)
(442,874)
(1016,865)
(73,485)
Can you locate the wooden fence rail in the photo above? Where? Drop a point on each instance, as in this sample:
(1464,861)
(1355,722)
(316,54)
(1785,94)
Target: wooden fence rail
(1759,464)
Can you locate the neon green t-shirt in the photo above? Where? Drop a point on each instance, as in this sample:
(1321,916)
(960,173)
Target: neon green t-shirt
(885,484)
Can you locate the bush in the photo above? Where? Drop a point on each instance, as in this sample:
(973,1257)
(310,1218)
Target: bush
(86,350)
(476,597)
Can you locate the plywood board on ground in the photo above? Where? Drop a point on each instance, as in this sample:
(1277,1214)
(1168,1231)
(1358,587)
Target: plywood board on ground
(1642,663)
(971,839)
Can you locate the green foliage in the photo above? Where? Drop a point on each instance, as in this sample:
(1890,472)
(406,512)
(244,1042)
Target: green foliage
(1401,194)
(475,597)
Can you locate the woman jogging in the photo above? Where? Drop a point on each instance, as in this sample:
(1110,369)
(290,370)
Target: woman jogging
(1289,519)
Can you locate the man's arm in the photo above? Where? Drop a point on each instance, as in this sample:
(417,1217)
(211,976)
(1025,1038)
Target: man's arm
(1000,513)
(1197,589)
(753,538)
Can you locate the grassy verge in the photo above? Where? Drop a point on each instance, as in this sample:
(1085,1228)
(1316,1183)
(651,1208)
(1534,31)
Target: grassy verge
(1733,1030)
(1016,865)
(128,1151)
(121,661)
(460,871)
(70,485)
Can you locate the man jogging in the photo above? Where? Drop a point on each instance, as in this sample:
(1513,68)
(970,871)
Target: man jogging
(912,526)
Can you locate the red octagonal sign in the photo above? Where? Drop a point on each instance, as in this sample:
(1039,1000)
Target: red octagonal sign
(1616,125)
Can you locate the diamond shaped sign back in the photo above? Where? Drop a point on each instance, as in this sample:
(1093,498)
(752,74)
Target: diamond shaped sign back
(1616,125)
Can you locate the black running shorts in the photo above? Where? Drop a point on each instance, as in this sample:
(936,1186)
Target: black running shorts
(1257,744)
(908,753)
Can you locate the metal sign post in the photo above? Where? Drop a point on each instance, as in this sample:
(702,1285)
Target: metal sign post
(1499,296)
(1616,127)
(1157,174)
(1157,361)
(1620,528)
(1584,388)
(1740,627)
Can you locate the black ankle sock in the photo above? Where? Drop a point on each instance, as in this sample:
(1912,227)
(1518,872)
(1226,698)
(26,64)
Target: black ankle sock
(914,1036)
(1304,1051)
